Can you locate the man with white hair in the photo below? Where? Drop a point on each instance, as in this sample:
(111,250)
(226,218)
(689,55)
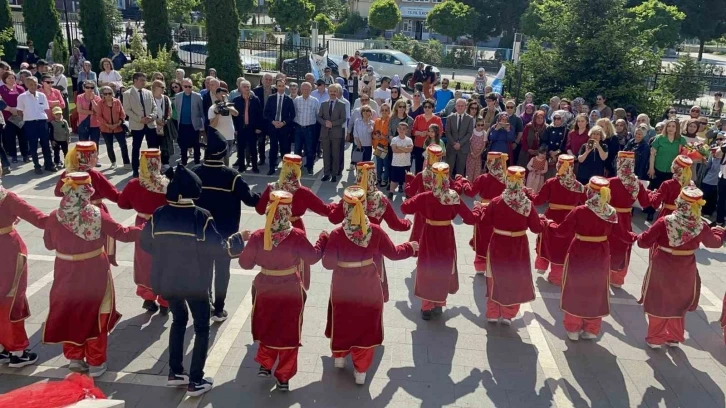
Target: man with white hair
(332,118)
(191,120)
(459,128)
(179,74)
(306,114)
(248,125)
(237,91)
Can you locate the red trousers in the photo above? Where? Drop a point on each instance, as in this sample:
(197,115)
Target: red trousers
(575,324)
(480,264)
(494,309)
(428,305)
(286,369)
(555,276)
(94,350)
(362,358)
(618,277)
(147,294)
(665,330)
(12,334)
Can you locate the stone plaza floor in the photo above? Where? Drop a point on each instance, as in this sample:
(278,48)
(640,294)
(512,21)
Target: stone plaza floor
(456,360)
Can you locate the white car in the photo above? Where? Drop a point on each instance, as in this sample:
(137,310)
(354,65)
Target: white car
(388,63)
(194,53)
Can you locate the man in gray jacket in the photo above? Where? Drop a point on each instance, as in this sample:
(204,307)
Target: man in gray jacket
(191,120)
(459,128)
(331,118)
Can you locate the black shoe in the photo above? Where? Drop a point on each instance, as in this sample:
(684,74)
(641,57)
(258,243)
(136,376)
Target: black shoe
(177,380)
(150,306)
(310,172)
(38,170)
(219,317)
(333,179)
(164,310)
(438,310)
(196,389)
(263,372)
(320,155)
(4,357)
(241,170)
(270,172)
(25,360)
(426,314)
(649,218)
(390,195)
(6,170)
(256,170)
(26,159)
(261,163)
(15,160)
(326,178)
(283,386)
(135,175)
(50,169)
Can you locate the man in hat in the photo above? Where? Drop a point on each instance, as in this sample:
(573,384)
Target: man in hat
(183,242)
(223,188)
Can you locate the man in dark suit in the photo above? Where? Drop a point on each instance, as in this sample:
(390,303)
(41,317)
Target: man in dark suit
(207,100)
(332,117)
(459,128)
(248,125)
(263,92)
(279,114)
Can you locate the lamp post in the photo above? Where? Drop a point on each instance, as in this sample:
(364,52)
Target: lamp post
(68,28)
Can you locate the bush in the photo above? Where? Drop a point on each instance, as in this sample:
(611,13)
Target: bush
(685,79)
(223,43)
(41,23)
(96,30)
(144,62)
(60,50)
(429,52)
(384,15)
(459,57)
(10,44)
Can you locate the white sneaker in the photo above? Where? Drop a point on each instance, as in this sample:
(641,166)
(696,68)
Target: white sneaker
(673,344)
(616,285)
(113,166)
(653,346)
(574,336)
(588,336)
(97,371)
(493,320)
(360,378)
(339,362)
(541,271)
(78,366)
(506,322)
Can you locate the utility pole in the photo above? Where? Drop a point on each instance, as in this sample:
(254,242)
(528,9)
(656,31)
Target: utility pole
(68,28)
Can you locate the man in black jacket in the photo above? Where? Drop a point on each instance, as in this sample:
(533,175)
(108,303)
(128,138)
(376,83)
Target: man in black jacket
(279,114)
(263,92)
(248,125)
(183,242)
(208,100)
(222,191)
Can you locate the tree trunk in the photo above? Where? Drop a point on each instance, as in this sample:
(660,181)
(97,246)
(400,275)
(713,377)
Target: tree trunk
(702,42)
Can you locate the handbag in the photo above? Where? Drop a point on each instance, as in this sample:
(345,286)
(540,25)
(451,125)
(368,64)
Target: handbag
(381,152)
(357,155)
(16,120)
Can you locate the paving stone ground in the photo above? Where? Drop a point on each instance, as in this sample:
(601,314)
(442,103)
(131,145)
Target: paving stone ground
(457,360)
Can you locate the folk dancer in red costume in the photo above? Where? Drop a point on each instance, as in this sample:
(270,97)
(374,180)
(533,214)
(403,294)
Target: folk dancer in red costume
(144,195)
(509,271)
(487,186)
(562,193)
(14,308)
(278,295)
(303,199)
(672,285)
(378,209)
(436,269)
(669,190)
(83,158)
(82,310)
(355,308)
(625,189)
(585,281)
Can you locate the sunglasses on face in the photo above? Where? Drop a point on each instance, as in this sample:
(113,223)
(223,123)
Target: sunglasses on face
(416,96)
(510,107)
(187,86)
(556,118)
(480,125)
(48,82)
(88,87)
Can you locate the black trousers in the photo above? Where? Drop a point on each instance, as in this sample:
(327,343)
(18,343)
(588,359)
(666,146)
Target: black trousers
(221,282)
(279,144)
(37,132)
(10,134)
(418,159)
(180,316)
(59,146)
(721,201)
(247,147)
(152,141)
(710,194)
(121,139)
(188,137)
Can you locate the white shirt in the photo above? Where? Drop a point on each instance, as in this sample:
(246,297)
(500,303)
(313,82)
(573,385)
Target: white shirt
(33,107)
(225,126)
(382,94)
(279,101)
(62,82)
(159,108)
(401,159)
(113,77)
(344,69)
(306,110)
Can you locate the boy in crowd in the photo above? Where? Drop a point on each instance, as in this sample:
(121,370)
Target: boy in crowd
(61,136)
(401,146)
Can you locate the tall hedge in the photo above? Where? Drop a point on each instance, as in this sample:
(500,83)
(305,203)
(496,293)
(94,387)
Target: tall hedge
(223,39)
(42,23)
(96,30)
(156,25)
(10,47)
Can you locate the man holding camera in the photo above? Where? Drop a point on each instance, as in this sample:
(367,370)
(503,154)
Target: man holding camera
(220,118)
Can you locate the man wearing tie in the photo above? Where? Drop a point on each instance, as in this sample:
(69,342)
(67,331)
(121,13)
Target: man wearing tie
(332,119)
(459,128)
(141,109)
(279,114)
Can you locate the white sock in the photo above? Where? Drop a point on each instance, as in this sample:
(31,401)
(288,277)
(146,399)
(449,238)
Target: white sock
(17,353)
(2,349)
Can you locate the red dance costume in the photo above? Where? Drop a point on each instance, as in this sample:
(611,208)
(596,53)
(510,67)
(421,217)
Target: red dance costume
(585,284)
(278,297)
(14,308)
(82,308)
(625,189)
(509,271)
(436,269)
(563,193)
(144,195)
(487,186)
(670,189)
(722,320)
(355,309)
(672,285)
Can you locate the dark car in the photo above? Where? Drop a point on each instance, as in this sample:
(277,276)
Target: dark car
(298,67)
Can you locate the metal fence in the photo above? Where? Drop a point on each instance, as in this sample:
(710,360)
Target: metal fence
(690,90)
(69,27)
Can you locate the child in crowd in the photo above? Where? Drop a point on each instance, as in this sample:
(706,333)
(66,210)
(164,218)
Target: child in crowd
(402,146)
(709,184)
(61,136)
(537,167)
(380,150)
(434,136)
(477,145)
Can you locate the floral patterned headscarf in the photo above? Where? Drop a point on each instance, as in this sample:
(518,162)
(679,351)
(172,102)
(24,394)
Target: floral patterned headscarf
(150,176)
(366,179)
(356,223)
(441,189)
(289,174)
(684,224)
(598,199)
(497,165)
(513,194)
(79,157)
(277,219)
(626,173)
(76,213)
(681,169)
(565,174)
(434,154)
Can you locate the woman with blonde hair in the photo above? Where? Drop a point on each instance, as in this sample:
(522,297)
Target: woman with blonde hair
(608,133)
(165,131)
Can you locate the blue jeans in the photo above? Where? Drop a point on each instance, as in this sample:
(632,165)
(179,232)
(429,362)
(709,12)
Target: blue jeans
(383,168)
(304,137)
(37,131)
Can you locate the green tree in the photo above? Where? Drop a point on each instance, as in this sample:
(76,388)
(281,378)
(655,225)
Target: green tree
(685,79)
(661,21)
(96,30)
(452,19)
(293,15)
(60,49)
(144,62)
(9,44)
(222,42)
(335,8)
(325,26)
(41,23)
(508,17)
(244,10)
(494,15)
(351,24)
(384,15)
(156,25)
(705,20)
(178,11)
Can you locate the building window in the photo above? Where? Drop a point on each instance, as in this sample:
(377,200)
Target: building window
(436,1)
(406,26)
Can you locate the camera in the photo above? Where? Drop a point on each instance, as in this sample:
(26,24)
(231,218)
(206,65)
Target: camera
(591,144)
(223,108)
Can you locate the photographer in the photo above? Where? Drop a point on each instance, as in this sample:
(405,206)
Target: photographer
(220,118)
(592,156)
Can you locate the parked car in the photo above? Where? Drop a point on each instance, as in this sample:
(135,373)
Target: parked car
(388,63)
(298,67)
(194,53)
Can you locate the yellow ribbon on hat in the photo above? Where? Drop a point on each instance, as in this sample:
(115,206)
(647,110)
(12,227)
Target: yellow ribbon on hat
(516,176)
(440,176)
(686,176)
(563,168)
(358,216)
(71,162)
(68,182)
(503,158)
(604,196)
(288,167)
(364,179)
(269,217)
(696,207)
(144,172)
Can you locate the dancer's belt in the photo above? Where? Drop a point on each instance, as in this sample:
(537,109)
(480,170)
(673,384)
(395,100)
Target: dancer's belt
(676,252)
(279,272)
(7,230)
(590,238)
(623,210)
(510,233)
(97,202)
(438,223)
(144,216)
(79,257)
(671,207)
(359,264)
(485,203)
(561,207)
(293,219)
